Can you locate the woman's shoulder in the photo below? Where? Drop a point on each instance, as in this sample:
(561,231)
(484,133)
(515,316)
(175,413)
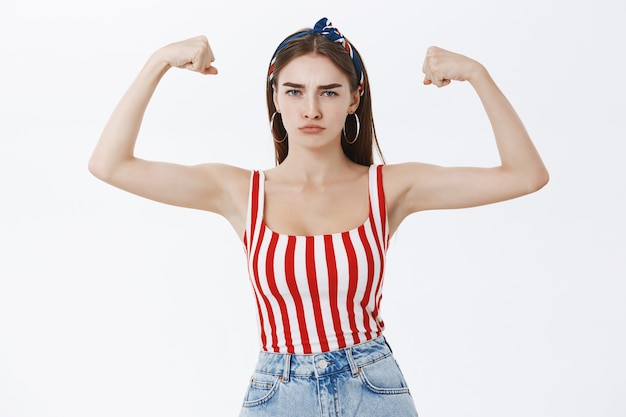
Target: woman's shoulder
(231,180)
(397,178)
(225,171)
(403,172)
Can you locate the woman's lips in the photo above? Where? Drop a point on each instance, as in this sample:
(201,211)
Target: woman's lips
(311,129)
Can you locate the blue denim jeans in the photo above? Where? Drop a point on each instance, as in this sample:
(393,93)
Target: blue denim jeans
(362,381)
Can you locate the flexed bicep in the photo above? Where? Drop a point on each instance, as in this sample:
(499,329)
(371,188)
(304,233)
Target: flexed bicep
(213,187)
(413,187)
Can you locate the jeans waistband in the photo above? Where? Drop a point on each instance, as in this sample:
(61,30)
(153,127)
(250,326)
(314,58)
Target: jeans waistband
(326,363)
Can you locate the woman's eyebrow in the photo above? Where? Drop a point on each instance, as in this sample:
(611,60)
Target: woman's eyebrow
(293,85)
(319,87)
(328,86)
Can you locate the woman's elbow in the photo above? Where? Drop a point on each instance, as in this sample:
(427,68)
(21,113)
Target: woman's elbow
(538,179)
(99,168)
(527,181)
(94,167)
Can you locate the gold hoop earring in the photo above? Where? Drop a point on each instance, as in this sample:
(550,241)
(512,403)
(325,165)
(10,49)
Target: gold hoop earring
(272,129)
(358,129)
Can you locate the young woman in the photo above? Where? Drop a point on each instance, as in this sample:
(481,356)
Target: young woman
(316,226)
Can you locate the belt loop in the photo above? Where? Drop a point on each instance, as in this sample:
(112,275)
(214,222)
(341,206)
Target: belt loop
(286,367)
(353,366)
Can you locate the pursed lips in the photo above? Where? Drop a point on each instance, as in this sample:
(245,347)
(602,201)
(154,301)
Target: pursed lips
(311,128)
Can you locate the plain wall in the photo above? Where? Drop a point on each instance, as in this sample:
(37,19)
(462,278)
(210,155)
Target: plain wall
(112,305)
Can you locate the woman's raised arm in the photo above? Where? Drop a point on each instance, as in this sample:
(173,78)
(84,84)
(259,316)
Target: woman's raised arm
(416,186)
(213,187)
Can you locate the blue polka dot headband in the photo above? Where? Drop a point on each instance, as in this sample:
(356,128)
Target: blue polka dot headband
(324,27)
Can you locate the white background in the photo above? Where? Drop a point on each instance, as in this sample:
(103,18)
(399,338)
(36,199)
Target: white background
(111,305)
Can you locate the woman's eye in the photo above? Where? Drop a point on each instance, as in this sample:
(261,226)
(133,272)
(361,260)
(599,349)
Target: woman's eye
(292,92)
(329,93)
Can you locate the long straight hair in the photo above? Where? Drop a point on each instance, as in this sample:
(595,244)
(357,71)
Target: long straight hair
(361,151)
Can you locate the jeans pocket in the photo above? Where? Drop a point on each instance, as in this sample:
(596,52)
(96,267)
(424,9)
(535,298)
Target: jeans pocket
(261,389)
(383,377)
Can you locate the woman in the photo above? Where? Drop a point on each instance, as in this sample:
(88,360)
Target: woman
(316,226)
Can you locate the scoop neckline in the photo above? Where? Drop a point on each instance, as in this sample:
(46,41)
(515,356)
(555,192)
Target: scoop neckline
(363,224)
(289,235)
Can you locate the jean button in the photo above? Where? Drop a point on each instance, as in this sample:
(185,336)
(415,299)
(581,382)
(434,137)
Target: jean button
(322,364)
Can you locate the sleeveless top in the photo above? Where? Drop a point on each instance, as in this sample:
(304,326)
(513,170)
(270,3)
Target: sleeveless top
(317,293)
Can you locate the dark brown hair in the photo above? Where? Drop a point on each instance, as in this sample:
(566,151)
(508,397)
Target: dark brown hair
(361,151)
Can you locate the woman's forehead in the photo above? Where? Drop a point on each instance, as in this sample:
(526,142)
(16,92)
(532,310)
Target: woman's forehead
(312,67)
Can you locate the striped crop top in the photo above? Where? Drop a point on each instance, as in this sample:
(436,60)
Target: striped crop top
(317,293)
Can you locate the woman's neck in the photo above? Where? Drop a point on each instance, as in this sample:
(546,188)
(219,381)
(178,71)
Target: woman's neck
(315,167)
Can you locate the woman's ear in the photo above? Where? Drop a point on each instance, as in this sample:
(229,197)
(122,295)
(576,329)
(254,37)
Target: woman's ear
(275,99)
(356,100)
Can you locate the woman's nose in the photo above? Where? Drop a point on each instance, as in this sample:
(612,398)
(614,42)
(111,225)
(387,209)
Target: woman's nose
(311,109)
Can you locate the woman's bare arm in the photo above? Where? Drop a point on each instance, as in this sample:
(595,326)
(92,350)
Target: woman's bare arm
(416,186)
(213,187)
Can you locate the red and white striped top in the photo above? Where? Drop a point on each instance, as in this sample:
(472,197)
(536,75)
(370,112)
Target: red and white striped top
(317,293)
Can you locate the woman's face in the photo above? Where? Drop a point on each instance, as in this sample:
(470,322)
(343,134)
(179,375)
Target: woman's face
(314,97)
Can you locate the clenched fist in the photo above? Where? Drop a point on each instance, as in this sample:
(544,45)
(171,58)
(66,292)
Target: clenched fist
(194,54)
(441,67)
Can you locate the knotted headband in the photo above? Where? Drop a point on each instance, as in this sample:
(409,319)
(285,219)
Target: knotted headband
(324,27)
